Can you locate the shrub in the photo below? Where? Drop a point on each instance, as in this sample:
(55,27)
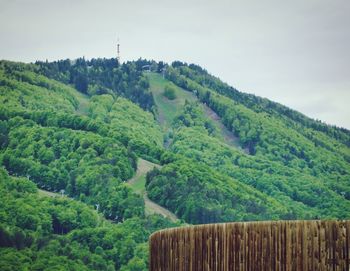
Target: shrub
(169,92)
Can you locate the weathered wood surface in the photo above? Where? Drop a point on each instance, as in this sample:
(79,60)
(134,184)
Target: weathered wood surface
(275,245)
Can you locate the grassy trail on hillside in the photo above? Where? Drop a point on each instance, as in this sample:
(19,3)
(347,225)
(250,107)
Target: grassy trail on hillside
(46,193)
(83,100)
(228,137)
(137,184)
(138,181)
(168,109)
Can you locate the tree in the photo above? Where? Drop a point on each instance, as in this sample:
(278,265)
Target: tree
(81,83)
(170,92)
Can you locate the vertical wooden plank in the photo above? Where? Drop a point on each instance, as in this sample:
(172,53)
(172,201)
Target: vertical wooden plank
(304,245)
(315,247)
(347,244)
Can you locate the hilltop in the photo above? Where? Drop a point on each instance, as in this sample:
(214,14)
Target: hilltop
(97,155)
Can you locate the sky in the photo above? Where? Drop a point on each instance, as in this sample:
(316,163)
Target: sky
(295,52)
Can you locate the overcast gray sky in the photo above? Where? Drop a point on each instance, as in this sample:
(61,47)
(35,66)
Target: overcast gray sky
(295,52)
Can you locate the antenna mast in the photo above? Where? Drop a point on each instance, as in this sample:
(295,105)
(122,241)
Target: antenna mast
(118,50)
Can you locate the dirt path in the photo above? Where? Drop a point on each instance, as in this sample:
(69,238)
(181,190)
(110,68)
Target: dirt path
(143,166)
(153,208)
(228,136)
(137,183)
(48,193)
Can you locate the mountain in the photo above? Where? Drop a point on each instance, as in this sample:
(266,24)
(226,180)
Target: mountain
(97,155)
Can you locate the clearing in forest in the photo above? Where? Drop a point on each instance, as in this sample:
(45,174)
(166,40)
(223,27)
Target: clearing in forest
(227,136)
(167,109)
(137,184)
(83,100)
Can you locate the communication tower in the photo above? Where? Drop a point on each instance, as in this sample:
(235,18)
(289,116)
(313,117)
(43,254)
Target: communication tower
(118,50)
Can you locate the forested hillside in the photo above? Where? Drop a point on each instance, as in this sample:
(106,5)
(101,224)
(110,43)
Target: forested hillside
(84,147)
(304,169)
(71,134)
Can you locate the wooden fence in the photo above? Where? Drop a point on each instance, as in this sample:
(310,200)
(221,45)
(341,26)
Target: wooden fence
(274,245)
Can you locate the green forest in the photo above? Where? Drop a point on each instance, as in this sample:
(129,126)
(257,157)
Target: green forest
(72,133)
